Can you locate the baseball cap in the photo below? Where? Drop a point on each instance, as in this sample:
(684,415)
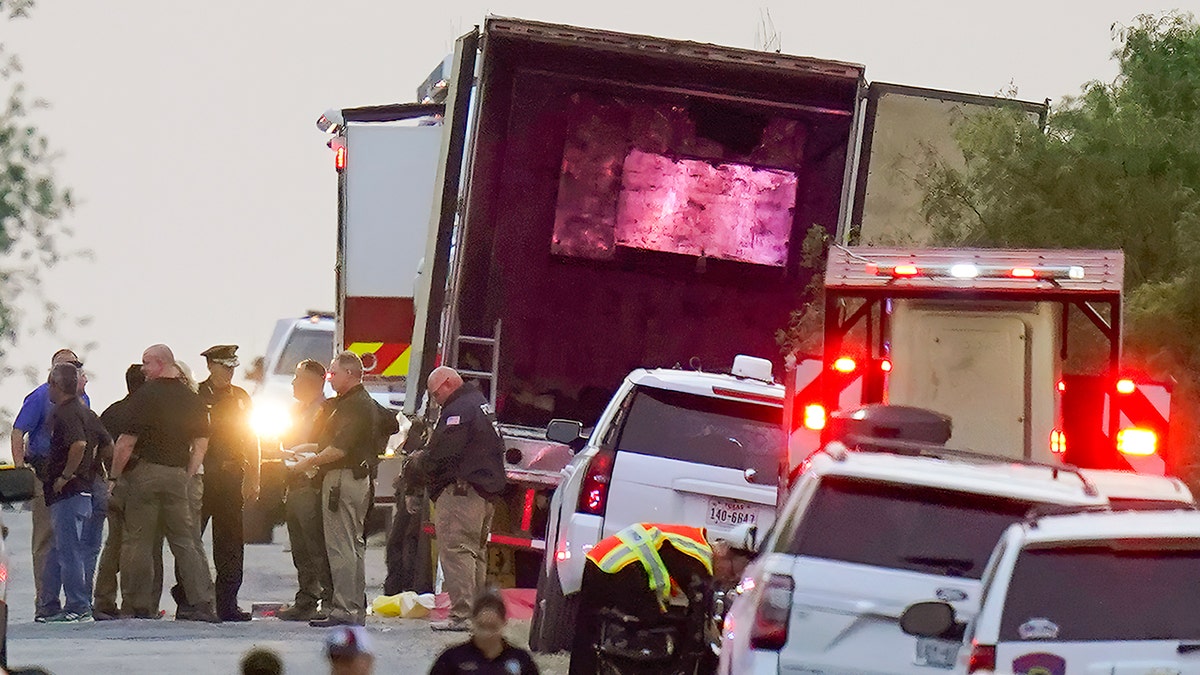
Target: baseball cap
(347,641)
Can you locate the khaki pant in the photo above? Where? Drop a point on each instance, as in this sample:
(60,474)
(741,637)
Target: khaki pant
(462,522)
(307,536)
(345,544)
(110,556)
(42,542)
(159,496)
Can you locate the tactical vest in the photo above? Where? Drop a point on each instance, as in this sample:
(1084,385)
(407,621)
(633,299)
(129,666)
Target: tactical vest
(641,542)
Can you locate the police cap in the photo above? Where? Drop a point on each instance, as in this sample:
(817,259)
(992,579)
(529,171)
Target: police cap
(226,355)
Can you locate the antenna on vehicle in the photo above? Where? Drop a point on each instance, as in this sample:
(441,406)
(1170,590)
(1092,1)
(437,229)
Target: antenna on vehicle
(695,364)
(766,37)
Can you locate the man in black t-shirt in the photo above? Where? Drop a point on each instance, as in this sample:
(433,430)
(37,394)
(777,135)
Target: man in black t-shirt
(75,438)
(347,439)
(167,427)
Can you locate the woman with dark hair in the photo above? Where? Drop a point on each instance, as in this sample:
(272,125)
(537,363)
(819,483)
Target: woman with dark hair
(487,652)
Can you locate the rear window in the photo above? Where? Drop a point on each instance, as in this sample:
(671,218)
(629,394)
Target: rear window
(903,526)
(1139,592)
(705,430)
(305,344)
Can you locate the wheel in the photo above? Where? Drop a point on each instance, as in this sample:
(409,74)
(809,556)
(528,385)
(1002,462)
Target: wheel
(552,628)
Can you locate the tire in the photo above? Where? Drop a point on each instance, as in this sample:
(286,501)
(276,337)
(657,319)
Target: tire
(552,628)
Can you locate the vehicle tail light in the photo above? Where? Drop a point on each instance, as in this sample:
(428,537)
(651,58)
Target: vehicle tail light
(774,606)
(527,512)
(594,495)
(983,658)
(1137,442)
(338,145)
(1125,386)
(814,417)
(845,364)
(1058,442)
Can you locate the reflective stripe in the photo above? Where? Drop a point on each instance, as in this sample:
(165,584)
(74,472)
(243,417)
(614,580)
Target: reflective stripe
(641,542)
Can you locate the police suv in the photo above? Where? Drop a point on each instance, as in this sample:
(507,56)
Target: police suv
(1112,592)
(673,446)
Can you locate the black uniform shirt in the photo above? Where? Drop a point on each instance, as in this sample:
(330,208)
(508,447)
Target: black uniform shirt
(231,438)
(465,445)
(115,420)
(350,427)
(166,416)
(466,658)
(70,423)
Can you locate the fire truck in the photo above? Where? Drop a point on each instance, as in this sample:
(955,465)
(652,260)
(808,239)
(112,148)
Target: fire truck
(985,337)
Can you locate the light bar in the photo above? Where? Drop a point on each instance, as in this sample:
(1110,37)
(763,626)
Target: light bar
(845,364)
(1126,387)
(973,271)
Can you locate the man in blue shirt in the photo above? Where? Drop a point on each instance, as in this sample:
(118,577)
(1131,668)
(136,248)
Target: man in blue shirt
(31,445)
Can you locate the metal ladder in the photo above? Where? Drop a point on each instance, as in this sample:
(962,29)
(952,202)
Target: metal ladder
(491,376)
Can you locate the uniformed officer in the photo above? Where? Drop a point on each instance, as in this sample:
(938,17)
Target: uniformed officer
(232,449)
(465,467)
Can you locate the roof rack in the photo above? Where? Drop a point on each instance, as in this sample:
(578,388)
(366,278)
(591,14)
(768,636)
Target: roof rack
(319,314)
(839,450)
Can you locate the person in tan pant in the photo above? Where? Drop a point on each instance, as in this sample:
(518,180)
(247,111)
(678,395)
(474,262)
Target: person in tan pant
(464,464)
(167,425)
(347,439)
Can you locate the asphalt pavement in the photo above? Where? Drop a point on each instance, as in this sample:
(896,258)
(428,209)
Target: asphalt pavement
(165,646)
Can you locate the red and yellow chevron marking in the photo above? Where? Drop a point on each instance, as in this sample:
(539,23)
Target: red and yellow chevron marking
(390,358)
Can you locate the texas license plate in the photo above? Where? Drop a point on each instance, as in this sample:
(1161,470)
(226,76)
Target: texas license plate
(936,653)
(729,513)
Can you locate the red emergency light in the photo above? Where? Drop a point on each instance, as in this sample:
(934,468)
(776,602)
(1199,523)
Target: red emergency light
(1137,442)
(885,365)
(814,416)
(1061,386)
(1126,386)
(1022,273)
(339,158)
(1058,442)
(905,271)
(845,364)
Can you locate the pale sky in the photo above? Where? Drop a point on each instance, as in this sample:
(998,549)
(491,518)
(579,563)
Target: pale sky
(207,194)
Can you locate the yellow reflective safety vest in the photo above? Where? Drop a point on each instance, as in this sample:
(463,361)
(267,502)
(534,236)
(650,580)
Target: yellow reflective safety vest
(641,543)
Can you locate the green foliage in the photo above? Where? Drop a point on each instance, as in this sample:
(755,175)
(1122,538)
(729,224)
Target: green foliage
(1116,167)
(31,199)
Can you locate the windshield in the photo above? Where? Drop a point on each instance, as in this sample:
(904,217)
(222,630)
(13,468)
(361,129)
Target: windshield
(705,430)
(305,344)
(1131,592)
(906,527)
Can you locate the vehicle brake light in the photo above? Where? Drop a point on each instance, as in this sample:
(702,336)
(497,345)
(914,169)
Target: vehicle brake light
(771,612)
(885,365)
(1058,442)
(845,364)
(1137,442)
(1125,386)
(814,416)
(983,658)
(594,495)
(905,271)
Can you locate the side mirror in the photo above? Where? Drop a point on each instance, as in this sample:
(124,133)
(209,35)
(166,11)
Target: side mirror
(564,431)
(16,484)
(928,619)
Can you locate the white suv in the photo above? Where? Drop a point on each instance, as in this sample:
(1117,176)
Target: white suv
(863,535)
(1113,592)
(673,446)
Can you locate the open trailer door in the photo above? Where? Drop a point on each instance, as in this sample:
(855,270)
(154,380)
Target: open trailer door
(904,129)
